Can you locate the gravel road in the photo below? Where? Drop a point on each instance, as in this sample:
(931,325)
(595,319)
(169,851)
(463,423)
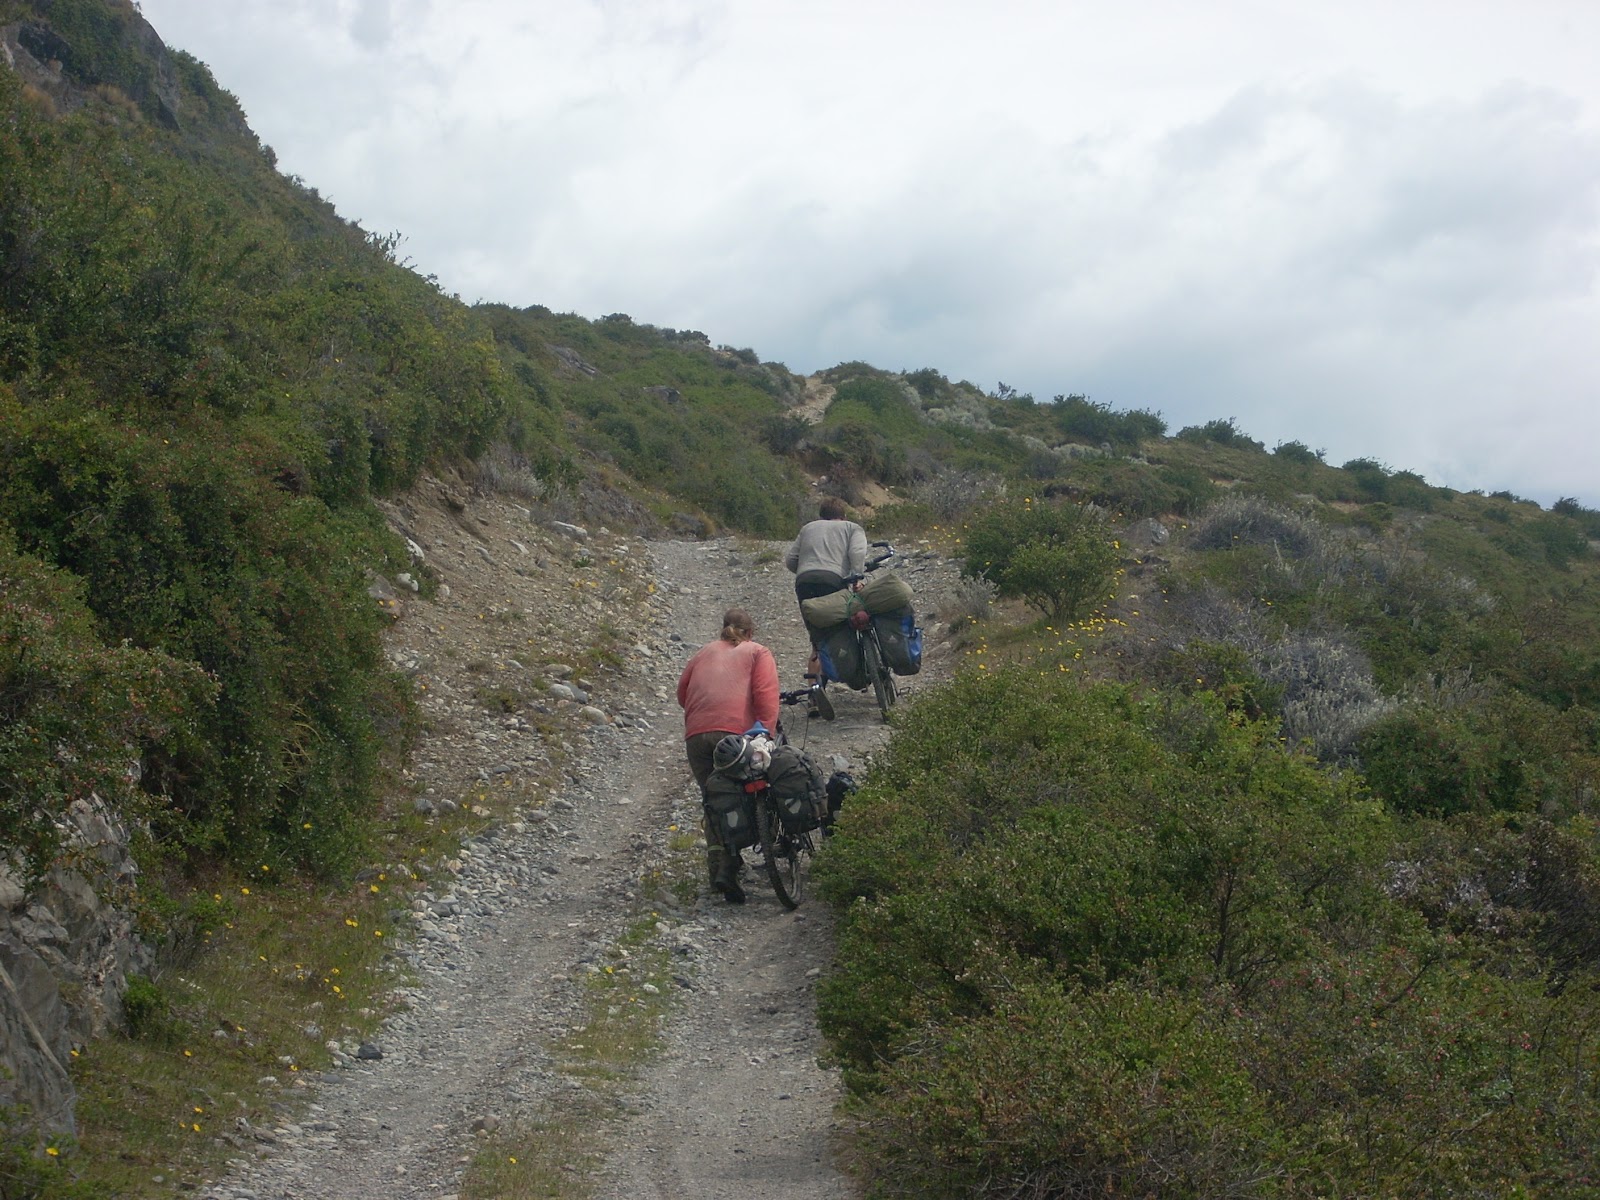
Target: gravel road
(735,1103)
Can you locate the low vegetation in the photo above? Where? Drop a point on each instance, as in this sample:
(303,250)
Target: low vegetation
(1106,941)
(1267,867)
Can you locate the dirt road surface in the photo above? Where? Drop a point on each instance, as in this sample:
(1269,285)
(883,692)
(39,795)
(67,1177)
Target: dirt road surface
(733,1103)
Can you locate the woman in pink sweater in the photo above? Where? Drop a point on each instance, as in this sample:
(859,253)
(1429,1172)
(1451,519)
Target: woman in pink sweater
(728,686)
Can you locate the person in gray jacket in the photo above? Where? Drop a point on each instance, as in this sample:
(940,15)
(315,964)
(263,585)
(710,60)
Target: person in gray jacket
(826,553)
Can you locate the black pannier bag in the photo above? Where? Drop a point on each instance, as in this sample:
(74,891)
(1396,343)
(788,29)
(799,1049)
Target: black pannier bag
(840,784)
(901,640)
(799,788)
(730,810)
(839,652)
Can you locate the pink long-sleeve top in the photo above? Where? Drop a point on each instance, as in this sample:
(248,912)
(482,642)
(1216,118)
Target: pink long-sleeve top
(729,687)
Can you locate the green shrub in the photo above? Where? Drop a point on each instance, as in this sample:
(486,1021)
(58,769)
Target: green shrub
(1221,669)
(76,714)
(1222,431)
(858,446)
(1059,559)
(1497,750)
(1121,1092)
(1099,942)
(1126,488)
(1555,540)
(1192,487)
(1514,880)
(26,1172)
(1080,418)
(1408,1070)
(1072,836)
(186,550)
(1297,452)
(146,1012)
(1425,762)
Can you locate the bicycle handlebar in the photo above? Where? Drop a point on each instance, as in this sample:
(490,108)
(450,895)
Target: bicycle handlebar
(873,563)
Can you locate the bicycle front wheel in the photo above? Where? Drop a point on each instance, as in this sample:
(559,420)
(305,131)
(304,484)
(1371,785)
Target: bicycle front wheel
(781,853)
(878,671)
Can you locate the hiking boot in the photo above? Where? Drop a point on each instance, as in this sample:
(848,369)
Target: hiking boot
(726,879)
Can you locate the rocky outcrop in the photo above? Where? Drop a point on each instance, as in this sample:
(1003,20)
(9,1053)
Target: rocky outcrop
(66,949)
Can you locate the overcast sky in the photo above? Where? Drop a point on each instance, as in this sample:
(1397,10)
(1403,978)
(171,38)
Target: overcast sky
(1372,226)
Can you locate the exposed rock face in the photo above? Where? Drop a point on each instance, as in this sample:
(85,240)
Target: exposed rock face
(67,73)
(66,949)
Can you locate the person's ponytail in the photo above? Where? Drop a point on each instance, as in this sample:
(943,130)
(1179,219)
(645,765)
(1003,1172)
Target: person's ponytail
(737,626)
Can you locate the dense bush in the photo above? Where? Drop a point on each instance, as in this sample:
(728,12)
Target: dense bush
(1494,749)
(1223,431)
(1086,834)
(1124,1092)
(1094,943)
(1059,558)
(76,715)
(1223,669)
(1297,452)
(197,399)
(1087,421)
(182,547)
(1126,488)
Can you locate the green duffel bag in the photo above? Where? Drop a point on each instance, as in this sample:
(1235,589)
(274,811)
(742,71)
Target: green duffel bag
(885,592)
(824,612)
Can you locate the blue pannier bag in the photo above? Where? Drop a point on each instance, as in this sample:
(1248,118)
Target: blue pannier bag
(901,640)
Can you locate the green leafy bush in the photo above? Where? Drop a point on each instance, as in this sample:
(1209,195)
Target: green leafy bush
(1223,431)
(1059,559)
(1121,1092)
(76,715)
(1297,452)
(1495,750)
(1221,669)
(1125,488)
(184,549)
(1087,421)
(146,1012)
(1095,941)
(1071,835)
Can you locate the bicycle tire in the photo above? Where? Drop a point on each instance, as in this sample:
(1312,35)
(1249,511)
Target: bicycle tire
(883,689)
(781,852)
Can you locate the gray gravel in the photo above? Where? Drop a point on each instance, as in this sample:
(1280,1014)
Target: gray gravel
(736,1105)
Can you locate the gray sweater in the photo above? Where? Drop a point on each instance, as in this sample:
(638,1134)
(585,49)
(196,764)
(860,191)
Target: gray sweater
(837,546)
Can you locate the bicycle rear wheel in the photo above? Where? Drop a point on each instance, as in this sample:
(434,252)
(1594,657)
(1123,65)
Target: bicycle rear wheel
(883,689)
(781,852)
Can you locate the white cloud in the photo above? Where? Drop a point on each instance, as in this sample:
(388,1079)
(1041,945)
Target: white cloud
(1365,226)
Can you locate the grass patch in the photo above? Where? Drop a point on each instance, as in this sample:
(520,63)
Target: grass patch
(281,970)
(258,973)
